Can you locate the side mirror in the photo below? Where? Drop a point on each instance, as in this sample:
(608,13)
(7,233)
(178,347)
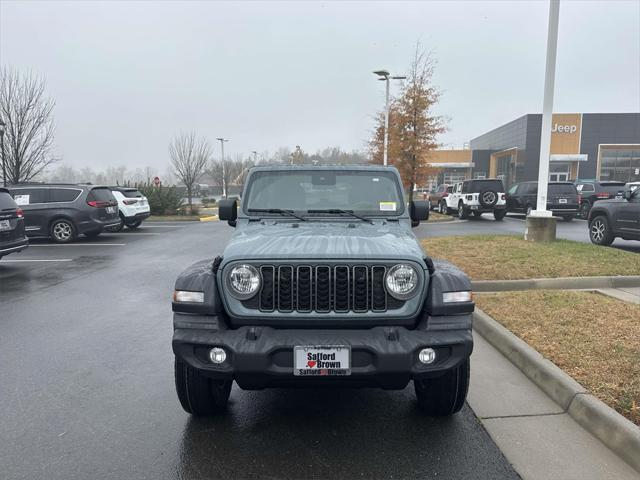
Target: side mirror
(419,212)
(627,194)
(228,210)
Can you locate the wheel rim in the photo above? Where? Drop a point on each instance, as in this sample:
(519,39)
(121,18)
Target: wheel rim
(461,211)
(585,210)
(598,230)
(62,231)
(488,198)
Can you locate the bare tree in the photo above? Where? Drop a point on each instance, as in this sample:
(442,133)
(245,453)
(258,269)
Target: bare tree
(189,159)
(28,115)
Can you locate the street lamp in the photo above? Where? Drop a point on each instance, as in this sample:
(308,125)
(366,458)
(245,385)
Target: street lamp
(4,168)
(224,168)
(386,76)
(255,156)
(541,224)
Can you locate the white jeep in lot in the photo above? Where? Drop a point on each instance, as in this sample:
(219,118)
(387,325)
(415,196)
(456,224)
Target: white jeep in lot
(477,197)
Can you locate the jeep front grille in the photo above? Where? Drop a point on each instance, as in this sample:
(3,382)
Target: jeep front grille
(323,289)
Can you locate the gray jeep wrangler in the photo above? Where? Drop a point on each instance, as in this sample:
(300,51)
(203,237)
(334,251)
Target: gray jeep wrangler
(322,284)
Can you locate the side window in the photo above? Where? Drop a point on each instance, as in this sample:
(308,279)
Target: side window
(29,196)
(588,187)
(64,194)
(513,189)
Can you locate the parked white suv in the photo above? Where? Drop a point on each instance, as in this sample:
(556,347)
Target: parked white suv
(478,197)
(133,206)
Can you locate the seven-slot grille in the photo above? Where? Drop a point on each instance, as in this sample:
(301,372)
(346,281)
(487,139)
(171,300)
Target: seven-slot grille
(323,289)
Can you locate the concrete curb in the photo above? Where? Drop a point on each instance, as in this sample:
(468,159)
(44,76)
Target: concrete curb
(603,422)
(564,283)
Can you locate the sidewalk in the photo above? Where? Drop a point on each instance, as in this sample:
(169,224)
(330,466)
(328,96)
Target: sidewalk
(533,432)
(631,295)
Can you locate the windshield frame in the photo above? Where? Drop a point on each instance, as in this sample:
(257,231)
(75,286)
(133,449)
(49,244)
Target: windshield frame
(400,212)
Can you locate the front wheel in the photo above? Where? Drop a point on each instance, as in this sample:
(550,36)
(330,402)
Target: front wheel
(585,208)
(499,214)
(199,395)
(442,208)
(600,232)
(463,213)
(445,395)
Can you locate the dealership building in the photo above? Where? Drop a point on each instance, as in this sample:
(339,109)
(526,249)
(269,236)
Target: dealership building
(603,146)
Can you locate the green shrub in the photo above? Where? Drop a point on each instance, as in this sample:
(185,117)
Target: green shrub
(162,200)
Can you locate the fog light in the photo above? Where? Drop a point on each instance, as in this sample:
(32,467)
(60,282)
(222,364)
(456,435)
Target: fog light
(217,355)
(427,355)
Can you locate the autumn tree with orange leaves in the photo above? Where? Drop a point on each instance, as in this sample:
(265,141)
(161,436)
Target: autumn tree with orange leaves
(413,129)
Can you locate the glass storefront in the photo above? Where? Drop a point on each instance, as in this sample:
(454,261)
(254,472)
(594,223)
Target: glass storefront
(559,172)
(620,163)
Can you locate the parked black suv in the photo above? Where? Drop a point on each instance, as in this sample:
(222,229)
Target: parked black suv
(12,236)
(562,199)
(63,211)
(592,191)
(619,217)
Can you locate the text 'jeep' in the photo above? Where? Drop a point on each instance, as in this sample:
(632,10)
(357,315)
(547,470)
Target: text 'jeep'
(322,284)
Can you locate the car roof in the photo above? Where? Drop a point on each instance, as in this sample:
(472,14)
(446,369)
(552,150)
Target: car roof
(365,168)
(124,189)
(57,185)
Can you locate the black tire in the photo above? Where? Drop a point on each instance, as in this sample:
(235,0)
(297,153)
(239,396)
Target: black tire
(200,396)
(62,230)
(445,395)
(499,214)
(463,213)
(585,208)
(134,225)
(442,208)
(488,198)
(91,234)
(600,231)
(568,218)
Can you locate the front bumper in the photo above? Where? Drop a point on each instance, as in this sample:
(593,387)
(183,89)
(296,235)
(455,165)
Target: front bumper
(14,246)
(384,356)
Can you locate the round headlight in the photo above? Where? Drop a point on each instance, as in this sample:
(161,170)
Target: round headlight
(402,281)
(244,281)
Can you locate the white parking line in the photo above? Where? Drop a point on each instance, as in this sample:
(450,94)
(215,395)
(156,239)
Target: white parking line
(38,260)
(77,245)
(132,234)
(164,226)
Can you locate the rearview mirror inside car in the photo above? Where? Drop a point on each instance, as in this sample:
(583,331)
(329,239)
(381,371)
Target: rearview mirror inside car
(419,211)
(228,210)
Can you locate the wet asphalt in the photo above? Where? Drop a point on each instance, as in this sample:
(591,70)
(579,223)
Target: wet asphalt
(86,384)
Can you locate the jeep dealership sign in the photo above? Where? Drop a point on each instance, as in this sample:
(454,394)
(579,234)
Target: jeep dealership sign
(564,128)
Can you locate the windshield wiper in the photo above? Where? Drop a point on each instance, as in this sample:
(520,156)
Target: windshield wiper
(342,212)
(277,210)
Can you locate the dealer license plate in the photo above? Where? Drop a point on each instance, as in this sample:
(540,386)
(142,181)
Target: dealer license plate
(322,360)
(111,209)
(562,200)
(5,225)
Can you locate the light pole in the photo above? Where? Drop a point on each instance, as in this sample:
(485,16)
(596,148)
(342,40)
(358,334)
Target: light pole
(255,156)
(224,167)
(541,224)
(4,168)
(386,76)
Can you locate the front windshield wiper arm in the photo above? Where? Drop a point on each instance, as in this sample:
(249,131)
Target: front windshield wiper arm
(277,210)
(342,212)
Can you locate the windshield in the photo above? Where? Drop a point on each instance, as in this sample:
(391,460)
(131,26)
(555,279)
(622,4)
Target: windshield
(364,192)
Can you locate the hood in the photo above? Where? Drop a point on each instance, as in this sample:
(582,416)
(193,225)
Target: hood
(323,240)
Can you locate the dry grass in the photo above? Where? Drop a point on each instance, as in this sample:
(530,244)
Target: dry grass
(594,338)
(438,217)
(502,257)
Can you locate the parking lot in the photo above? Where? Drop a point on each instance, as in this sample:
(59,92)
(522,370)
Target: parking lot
(86,333)
(86,330)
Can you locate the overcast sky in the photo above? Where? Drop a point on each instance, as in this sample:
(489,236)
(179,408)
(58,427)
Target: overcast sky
(126,76)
